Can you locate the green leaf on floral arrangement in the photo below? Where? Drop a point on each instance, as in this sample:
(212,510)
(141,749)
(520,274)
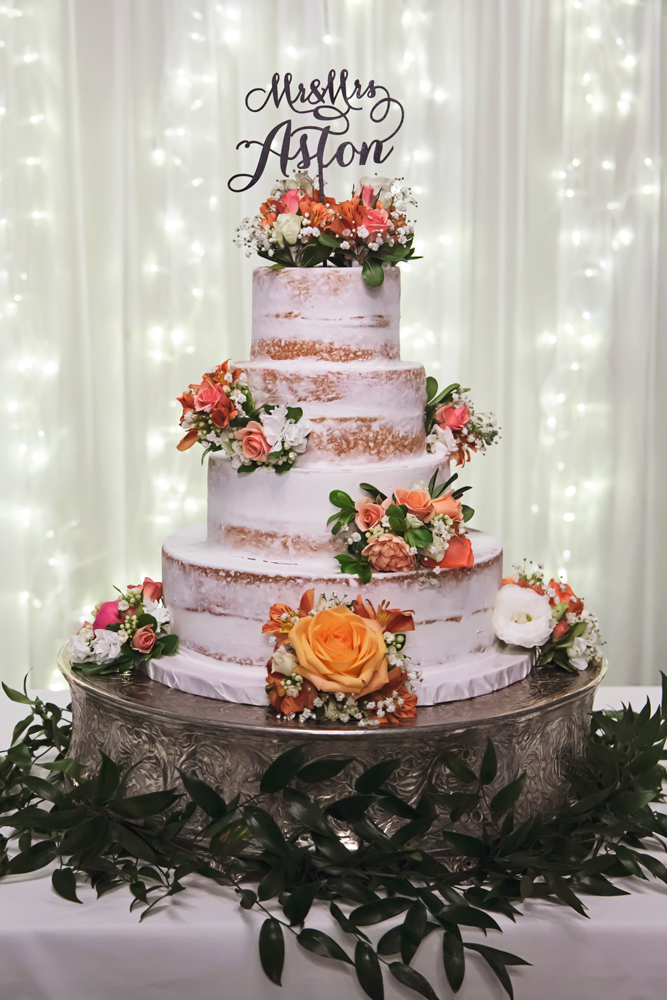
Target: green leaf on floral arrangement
(296,908)
(206,797)
(273,883)
(168,645)
(132,842)
(324,768)
(372,272)
(413,930)
(332,849)
(272,949)
(418,537)
(351,889)
(458,768)
(305,811)
(106,781)
(431,393)
(283,769)
(265,829)
(20,756)
(72,768)
(321,944)
(467,512)
(507,796)
(146,619)
(341,499)
(414,980)
(373,491)
(369,972)
(374,777)
(44,789)
(16,696)
(379,910)
(294,413)
(489,766)
(148,804)
(64,883)
(314,254)
(453,957)
(329,240)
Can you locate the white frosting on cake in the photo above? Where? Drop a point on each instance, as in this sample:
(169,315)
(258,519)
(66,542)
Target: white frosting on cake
(284,518)
(327,313)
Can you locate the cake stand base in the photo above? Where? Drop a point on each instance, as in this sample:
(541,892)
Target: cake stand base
(534,724)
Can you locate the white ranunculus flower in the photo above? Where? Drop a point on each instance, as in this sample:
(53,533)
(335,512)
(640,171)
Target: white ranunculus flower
(286,228)
(274,424)
(295,435)
(78,648)
(522,616)
(158,611)
(107,645)
(577,653)
(284,662)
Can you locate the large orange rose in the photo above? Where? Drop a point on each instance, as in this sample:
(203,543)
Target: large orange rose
(418,502)
(339,651)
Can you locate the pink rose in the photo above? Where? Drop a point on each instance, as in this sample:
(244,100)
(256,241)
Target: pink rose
(448,506)
(207,396)
(368,514)
(418,502)
(390,554)
(367,197)
(291,199)
(255,445)
(151,590)
(376,221)
(143,639)
(454,417)
(107,614)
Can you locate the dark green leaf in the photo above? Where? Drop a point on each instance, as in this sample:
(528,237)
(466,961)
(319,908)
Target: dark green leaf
(497,960)
(341,499)
(390,942)
(507,796)
(458,768)
(397,807)
(272,949)
(453,957)
(369,972)
(374,491)
(351,808)
(324,768)
(307,812)
(372,273)
(321,944)
(88,836)
(431,393)
(350,889)
(373,779)
(413,930)
(132,842)
(467,512)
(296,908)
(36,857)
(44,789)
(206,797)
(329,240)
(464,844)
(273,882)
(141,806)
(264,829)
(414,980)
(467,916)
(283,769)
(248,898)
(376,912)
(314,254)
(489,768)
(16,696)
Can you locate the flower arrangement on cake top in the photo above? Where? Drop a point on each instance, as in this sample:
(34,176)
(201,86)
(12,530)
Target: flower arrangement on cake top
(423,527)
(548,617)
(450,418)
(340,661)
(298,226)
(220,413)
(124,632)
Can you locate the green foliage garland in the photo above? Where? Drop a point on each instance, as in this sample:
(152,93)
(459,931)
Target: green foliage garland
(95,830)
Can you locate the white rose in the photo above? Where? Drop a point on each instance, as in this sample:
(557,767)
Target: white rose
(577,653)
(158,611)
(522,616)
(286,228)
(107,645)
(381,188)
(284,662)
(274,425)
(78,648)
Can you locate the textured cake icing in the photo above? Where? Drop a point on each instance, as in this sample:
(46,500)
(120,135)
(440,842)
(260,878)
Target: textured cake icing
(325,341)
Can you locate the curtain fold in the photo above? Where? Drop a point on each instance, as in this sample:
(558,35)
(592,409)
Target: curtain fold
(533,140)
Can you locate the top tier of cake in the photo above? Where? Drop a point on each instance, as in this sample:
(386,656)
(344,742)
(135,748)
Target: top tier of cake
(324,314)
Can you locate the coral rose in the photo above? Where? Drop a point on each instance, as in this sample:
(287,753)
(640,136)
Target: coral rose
(339,651)
(255,445)
(368,514)
(144,639)
(565,593)
(390,554)
(418,502)
(151,590)
(107,614)
(560,630)
(377,221)
(290,199)
(454,417)
(207,396)
(457,554)
(448,506)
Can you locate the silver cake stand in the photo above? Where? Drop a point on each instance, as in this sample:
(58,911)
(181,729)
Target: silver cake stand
(534,724)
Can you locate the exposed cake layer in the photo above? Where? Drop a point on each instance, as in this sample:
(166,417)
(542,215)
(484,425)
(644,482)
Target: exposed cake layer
(218,601)
(324,313)
(284,518)
(361,411)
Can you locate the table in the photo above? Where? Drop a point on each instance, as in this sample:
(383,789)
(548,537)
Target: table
(202,946)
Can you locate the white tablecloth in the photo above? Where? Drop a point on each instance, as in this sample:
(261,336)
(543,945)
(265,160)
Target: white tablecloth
(202,946)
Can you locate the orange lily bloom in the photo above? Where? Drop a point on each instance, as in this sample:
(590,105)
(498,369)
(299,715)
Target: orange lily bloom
(391,619)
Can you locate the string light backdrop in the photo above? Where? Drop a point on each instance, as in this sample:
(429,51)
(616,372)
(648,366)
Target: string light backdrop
(532,141)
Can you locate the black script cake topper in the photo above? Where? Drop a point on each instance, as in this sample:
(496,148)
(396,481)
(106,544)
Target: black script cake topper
(330,103)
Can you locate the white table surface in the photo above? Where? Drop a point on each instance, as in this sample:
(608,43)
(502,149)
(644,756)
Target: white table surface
(202,946)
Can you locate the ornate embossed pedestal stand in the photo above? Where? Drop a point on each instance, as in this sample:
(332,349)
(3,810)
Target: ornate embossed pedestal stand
(533,724)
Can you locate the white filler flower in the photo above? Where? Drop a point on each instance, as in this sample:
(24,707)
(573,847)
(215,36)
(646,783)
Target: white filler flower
(521,616)
(284,662)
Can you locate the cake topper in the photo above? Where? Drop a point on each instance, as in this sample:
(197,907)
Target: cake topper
(330,103)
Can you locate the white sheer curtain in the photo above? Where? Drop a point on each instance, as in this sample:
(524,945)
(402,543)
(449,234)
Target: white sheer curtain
(533,141)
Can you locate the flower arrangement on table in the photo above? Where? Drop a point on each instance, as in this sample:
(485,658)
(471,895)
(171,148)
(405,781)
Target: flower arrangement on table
(547,617)
(220,413)
(340,661)
(298,226)
(124,632)
(450,418)
(419,528)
